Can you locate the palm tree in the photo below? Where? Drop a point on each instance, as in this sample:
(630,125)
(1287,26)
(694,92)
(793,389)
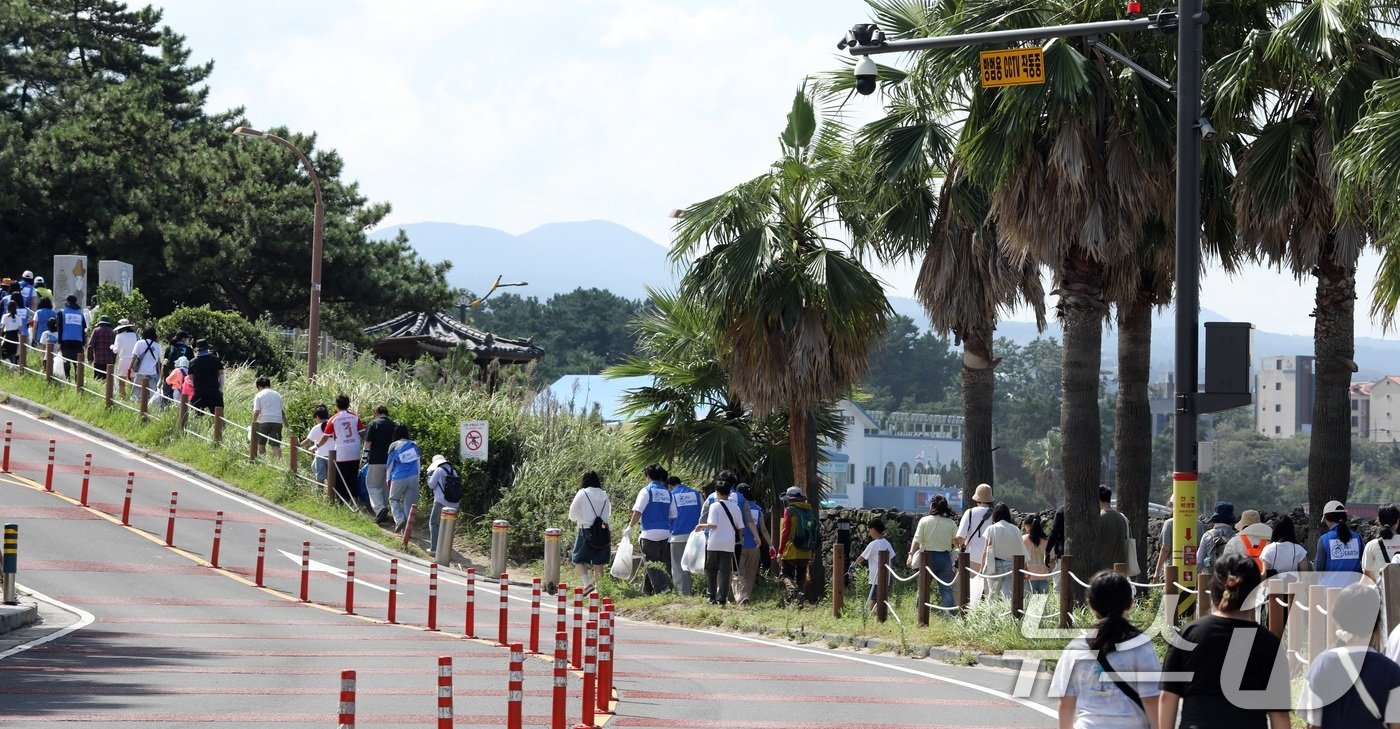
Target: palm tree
(921,205)
(796,313)
(1294,93)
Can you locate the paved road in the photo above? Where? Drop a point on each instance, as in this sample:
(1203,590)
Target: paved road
(173,641)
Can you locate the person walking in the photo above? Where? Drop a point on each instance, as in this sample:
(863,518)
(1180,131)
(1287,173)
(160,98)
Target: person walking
(722,528)
(1338,549)
(144,366)
(798,538)
(591,511)
(1283,555)
(1113,532)
(207,371)
(378,435)
(26,290)
(871,555)
(402,463)
(178,347)
(933,543)
(971,536)
(343,429)
(1385,548)
(687,501)
(179,380)
(124,341)
(1251,538)
(1198,690)
(72,333)
(1102,679)
(1222,530)
(1003,545)
(12,331)
(655,510)
(1033,537)
(445,484)
(1351,685)
(755,534)
(99,347)
(40,321)
(267,418)
(315,438)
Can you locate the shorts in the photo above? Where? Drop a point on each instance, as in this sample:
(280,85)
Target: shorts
(266,432)
(584,554)
(207,400)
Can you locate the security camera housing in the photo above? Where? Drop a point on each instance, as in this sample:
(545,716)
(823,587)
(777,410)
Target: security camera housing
(866,76)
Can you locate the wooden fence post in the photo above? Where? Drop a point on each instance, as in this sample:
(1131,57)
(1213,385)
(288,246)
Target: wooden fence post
(78,368)
(1066,590)
(331,474)
(23,356)
(218,425)
(145,397)
(1277,610)
(107,389)
(295,449)
(1317,622)
(1171,590)
(1018,586)
(838,579)
(963,578)
(253,443)
(183,414)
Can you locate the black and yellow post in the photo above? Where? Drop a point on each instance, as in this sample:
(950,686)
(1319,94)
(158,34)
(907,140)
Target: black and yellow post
(11,563)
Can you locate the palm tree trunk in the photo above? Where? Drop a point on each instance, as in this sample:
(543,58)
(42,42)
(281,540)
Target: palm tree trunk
(802,441)
(1081,314)
(1329,454)
(1132,433)
(978,392)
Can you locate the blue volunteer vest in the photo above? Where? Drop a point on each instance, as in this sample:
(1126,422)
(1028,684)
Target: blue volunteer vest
(751,539)
(70,325)
(687,510)
(26,290)
(657,514)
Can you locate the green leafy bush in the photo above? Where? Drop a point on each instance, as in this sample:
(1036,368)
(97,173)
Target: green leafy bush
(111,302)
(236,339)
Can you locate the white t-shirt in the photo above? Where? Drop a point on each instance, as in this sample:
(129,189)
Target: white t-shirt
(344,428)
(123,344)
(1283,556)
(644,500)
(145,357)
(268,404)
(314,435)
(968,529)
(1372,560)
(723,536)
(1003,542)
(1098,702)
(589,503)
(10,323)
(871,552)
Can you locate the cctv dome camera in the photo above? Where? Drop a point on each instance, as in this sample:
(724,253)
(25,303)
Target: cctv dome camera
(866,76)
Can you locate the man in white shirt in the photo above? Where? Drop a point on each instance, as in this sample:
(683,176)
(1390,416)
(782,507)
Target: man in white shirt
(971,535)
(267,418)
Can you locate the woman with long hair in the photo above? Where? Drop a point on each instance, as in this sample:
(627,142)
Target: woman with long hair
(1087,676)
(1033,537)
(1003,544)
(1384,549)
(932,546)
(1283,554)
(1195,686)
(11,328)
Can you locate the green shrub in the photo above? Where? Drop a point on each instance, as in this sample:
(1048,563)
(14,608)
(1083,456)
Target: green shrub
(111,302)
(237,340)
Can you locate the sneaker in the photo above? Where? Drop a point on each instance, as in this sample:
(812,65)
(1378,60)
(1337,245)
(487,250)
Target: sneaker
(382,517)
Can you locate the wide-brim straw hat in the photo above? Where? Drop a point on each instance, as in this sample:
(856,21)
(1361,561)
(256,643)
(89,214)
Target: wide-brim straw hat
(983,494)
(1248,517)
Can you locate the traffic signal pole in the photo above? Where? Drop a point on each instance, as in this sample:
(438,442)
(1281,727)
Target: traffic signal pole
(1188,20)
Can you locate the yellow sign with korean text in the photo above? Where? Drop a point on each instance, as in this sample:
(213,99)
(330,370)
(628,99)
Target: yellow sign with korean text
(1013,67)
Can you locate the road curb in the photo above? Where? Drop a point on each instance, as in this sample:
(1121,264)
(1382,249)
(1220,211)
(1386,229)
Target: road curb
(14,617)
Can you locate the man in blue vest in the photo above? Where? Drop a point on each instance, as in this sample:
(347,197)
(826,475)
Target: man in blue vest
(687,501)
(26,289)
(72,333)
(655,509)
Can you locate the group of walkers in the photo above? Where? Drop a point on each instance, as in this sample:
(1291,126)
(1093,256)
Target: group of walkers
(667,515)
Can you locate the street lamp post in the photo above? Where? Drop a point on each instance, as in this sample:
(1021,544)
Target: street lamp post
(313,327)
(497,285)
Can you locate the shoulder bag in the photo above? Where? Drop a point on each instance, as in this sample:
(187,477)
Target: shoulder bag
(738,535)
(1122,685)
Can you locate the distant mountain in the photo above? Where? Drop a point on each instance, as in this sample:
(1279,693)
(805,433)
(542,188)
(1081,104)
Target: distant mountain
(554,259)
(560,257)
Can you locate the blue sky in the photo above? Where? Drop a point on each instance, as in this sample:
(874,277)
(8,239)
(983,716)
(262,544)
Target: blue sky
(515,114)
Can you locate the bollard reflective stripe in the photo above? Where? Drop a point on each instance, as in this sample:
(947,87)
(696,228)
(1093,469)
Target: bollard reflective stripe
(469,621)
(444,705)
(515,687)
(305,570)
(535,616)
(504,626)
(218,537)
(604,690)
(578,628)
(170,523)
(393,591)
(432,596)
(126,500)
(262,552)
(347,700)
(558,720)
(561,615)
(590,677)
(87,477)
(350,583)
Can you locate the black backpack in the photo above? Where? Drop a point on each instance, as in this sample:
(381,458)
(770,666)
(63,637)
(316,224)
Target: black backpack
(451,485)
(600,534)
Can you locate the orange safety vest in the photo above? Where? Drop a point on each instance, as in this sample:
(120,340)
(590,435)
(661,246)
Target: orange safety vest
(1253,551)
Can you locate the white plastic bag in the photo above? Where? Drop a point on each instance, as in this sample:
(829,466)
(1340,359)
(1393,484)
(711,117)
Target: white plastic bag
(622,566)
(693,559)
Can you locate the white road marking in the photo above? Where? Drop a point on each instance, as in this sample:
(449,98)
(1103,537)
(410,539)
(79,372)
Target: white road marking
(85,619)
(315,566)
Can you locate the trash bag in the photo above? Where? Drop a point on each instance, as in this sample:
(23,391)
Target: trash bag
(693,559)
(622,566)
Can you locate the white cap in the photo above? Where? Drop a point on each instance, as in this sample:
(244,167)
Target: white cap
(28,274)
(1334,507)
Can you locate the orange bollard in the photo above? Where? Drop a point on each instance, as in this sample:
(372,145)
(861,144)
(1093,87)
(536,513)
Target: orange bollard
(444,692)
(262,553)
(515,688)
(561,593)
(578,628)
(393,591)
(305,571)
(87,477)
(350,583)
(605,660)
(347,700)
(9,433)
(126,500)
(561,677)
(469,620)
(504,626)
(48,473)
(170,522)
(535,616)
(432,596)
(218,537)
(590,675)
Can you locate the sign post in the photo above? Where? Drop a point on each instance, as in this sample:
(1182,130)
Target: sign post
(474,443)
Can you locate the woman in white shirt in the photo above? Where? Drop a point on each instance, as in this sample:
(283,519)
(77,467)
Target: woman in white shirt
(1003,544)
(590,503)
(123,344)
(1088,698)
(722,525)
(12,329)
(316,437)
(1385,550)
(1283,554)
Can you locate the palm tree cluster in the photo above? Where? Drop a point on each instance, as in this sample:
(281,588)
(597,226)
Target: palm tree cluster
(987,190)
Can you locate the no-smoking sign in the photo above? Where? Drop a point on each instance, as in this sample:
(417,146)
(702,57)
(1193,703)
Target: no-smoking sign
(475,440)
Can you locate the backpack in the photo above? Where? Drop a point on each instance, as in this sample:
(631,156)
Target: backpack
(600,534)
(1215,549)
(451,485)
(805,536)
(1254,550)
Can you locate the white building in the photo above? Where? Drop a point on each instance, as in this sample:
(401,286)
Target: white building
(1385,410)
(894,451)
(1284,391)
